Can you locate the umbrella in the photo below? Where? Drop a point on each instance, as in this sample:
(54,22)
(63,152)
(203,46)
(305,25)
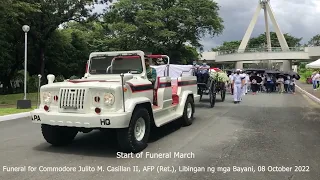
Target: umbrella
(257,78)
(259,71)
(295,75)
(292,74)
(229,71)
(281,75)
(272,72)
(314,65)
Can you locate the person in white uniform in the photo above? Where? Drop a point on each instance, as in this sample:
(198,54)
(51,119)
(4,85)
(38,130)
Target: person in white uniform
(238,83)
(243,76)
(246,83)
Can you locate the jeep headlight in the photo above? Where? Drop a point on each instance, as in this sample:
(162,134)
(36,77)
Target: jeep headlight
(47,97)
(108,99)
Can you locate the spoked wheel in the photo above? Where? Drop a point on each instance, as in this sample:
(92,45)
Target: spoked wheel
(200,92)
(223,94)
(212,94)
(223,91)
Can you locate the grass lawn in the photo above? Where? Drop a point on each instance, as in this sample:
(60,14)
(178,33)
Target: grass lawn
(8,103)
(7,111)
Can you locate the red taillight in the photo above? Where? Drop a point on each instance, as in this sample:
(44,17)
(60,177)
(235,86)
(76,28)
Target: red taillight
(55,98)
(97,99)
(87,68)
(46,108)
(97,110)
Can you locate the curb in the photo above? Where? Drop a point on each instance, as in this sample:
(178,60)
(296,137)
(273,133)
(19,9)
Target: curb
(14,116)
(312,97)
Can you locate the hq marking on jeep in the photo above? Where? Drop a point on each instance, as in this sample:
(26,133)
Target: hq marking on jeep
(115,93)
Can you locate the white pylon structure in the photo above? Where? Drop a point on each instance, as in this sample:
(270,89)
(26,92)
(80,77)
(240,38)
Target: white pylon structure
(265,5)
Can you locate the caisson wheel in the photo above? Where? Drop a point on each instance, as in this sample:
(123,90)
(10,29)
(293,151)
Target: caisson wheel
(135,138)
(187,117)
(212,94)
(58,135)
(200,92)
(223,95)
(212,99)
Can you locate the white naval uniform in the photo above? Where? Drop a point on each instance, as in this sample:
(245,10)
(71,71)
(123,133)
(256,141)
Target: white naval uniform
(237,91)
(245,87)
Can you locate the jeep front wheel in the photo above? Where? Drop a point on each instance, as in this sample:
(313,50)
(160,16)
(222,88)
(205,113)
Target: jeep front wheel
(58,135)
(135,138)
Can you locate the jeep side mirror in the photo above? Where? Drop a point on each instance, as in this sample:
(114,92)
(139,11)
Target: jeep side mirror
(127,77)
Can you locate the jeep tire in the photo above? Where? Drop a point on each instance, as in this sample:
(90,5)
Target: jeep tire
(187,117)
(58,135)
(135,137)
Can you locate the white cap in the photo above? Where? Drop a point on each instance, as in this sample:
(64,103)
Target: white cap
(238,70)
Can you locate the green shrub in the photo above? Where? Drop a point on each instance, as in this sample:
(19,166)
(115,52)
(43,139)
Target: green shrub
(59,78)
(33,83)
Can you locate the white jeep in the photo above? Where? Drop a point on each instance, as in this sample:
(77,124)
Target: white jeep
(114,94)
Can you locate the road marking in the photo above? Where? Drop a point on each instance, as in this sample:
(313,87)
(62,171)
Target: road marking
(310,96)
(310,101)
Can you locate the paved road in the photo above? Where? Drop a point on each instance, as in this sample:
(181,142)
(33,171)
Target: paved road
(265,130)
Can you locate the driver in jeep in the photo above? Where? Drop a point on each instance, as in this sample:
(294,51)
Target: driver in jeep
(151,72)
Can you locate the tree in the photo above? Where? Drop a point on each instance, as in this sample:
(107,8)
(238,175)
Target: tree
(52,14)
(164,27)
(260,42)
(12,14)
(63,33)
(228,45)
(314,41)
(71,46)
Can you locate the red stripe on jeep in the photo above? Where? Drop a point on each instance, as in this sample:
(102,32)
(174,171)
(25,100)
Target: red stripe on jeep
(140,87)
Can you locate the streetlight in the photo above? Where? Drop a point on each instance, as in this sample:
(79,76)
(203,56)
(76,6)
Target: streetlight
(25,104)
(25,29)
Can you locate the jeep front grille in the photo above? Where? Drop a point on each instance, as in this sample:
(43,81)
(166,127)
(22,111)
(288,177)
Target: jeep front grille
(72,98)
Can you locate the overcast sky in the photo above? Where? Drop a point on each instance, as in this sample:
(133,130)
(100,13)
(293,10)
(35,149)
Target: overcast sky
(299,18)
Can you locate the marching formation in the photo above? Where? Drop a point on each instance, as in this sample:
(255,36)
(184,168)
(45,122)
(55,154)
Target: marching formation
(258,80)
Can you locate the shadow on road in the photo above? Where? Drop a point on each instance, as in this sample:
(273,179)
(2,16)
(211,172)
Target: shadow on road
(102,144)
(95,143)
(205,103)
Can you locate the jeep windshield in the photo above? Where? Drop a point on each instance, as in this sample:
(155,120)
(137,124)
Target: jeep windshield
(115,65)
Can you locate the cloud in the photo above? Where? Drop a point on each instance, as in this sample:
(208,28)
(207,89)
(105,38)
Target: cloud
(296,17)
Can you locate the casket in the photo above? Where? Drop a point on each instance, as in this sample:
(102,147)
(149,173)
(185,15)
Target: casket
(175,70)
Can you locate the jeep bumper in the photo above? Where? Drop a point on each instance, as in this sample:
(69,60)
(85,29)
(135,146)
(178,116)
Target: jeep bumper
(110,120)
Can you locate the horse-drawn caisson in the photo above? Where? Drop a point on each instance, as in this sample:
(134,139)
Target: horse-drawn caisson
(211,81)
(221,79)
